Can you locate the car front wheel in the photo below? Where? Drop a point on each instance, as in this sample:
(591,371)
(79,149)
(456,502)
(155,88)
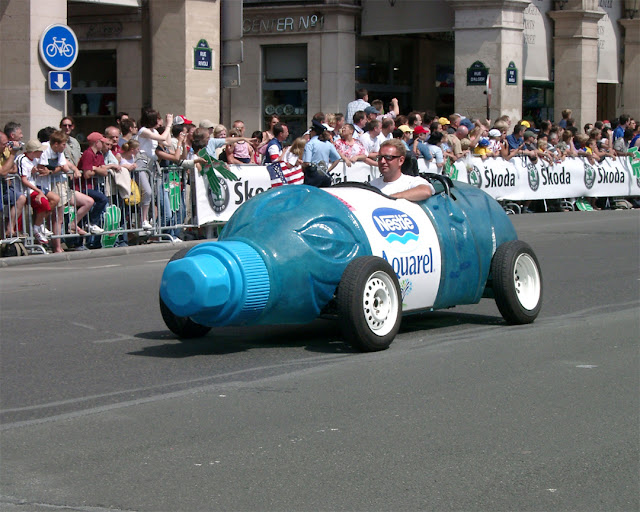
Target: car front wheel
(369,304)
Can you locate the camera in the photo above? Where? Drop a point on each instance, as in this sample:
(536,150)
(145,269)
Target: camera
(15,145)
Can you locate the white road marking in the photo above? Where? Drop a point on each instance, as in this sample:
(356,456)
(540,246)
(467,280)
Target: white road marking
(157,261)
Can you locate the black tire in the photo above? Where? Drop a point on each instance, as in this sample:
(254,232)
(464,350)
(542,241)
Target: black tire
(517,282)
(369,304)
(181,326)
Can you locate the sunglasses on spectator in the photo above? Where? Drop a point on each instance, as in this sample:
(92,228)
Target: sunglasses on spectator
(67,125)
(388,158)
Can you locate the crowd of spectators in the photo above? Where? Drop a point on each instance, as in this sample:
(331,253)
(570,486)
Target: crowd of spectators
(51,172)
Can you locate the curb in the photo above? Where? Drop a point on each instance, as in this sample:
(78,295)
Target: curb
(95,253)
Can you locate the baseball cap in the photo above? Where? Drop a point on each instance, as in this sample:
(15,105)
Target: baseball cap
(371,110)
(317,126)
(205,123)
(182,120)
(529,133)
(525,123)
(32,146)
(420,129)
(444,120)
(97,136)
(327,127)
(404,128)
(494,132)
(483,142)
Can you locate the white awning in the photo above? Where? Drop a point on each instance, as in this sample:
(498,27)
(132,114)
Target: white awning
(538,41)
(609,43)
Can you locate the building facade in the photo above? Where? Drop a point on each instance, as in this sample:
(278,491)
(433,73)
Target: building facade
(298,57)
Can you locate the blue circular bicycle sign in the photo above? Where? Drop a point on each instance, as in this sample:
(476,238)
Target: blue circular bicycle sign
(59,47)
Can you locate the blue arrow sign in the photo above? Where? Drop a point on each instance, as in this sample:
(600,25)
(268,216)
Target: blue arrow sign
(59,80)
(58,47)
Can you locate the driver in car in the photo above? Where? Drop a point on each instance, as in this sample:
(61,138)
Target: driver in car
(392,182)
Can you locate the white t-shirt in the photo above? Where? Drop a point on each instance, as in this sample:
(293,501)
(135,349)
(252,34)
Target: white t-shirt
(24,167)
(370,145)
(403,183)
(147,146)
(49,156)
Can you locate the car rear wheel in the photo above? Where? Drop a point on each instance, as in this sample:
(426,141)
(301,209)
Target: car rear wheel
(517,282)
(183,327)
(369,304)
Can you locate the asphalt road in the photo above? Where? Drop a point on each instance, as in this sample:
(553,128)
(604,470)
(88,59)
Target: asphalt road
(101,408)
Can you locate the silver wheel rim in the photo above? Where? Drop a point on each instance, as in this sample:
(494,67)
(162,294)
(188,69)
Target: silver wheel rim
(380,303)
(526,280)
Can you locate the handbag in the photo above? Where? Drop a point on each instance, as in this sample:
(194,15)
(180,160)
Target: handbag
(135,197)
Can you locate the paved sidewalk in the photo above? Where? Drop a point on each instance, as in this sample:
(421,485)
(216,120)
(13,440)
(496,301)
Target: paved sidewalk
(95,253)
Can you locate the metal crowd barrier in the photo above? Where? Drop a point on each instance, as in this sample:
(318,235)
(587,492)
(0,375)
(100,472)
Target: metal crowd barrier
(118,213)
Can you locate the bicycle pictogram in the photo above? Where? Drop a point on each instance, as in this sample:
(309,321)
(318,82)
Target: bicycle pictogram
(59,46)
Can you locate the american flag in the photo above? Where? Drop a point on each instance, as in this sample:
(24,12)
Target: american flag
(281,174)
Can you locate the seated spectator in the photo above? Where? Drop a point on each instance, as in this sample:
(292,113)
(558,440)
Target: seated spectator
(60,170)
(94,170)
(35,183)
(350,149)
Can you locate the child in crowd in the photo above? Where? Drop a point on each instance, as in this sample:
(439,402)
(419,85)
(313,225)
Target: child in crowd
(292,160)
(242,150)
(36,183)
(495,145)
(482,149)
(256,157)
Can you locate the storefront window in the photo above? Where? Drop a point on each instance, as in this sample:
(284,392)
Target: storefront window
(92,99)
(385,68)
(284,86)
(537,101)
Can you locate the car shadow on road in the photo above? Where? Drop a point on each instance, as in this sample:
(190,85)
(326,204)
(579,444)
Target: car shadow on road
(320,336)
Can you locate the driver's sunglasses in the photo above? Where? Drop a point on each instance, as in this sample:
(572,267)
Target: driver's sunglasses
(388,158)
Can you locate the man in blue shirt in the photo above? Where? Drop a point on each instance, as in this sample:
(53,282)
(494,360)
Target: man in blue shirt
(623,121)
(515,140)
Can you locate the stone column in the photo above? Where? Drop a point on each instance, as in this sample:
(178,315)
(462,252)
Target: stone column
(24,93)
(337,62)
(576,60)
(493,35)
(631,85)
(176,26)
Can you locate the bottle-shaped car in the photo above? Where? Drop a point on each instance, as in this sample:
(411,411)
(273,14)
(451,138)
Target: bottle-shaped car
(296,253)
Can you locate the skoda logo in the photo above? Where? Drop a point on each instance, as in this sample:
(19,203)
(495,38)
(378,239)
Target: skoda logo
(533,176)
(589,175)
(219,203)
(475,177)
